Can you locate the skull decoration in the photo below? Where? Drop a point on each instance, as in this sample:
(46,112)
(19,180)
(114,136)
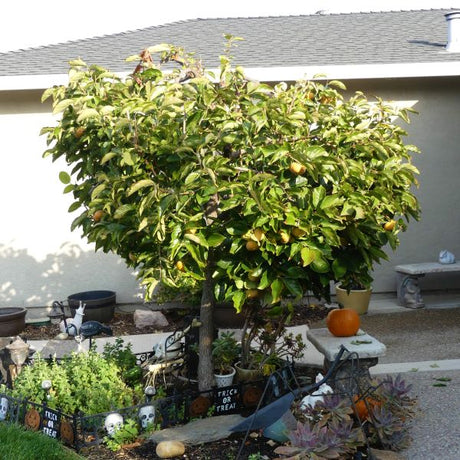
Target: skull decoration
(3,408)
(113,422)
(159,349)
(146,415)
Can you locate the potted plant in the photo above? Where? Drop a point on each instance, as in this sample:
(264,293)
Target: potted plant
(354,289)
(265,343)
(225,351)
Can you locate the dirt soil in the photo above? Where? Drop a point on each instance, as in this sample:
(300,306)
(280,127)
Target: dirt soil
(219,450)
(123,324)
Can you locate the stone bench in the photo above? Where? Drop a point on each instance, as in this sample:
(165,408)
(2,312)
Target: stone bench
(367,348)
(407,286)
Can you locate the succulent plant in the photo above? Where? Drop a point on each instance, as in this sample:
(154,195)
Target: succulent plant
(328,430)
(388,429)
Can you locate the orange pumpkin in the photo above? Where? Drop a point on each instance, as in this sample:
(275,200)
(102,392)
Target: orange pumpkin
(343,322)
(361,409)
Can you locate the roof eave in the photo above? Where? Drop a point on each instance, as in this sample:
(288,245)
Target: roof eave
(275,74)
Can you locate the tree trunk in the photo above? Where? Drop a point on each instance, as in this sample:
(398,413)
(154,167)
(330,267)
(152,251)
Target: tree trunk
(205,367)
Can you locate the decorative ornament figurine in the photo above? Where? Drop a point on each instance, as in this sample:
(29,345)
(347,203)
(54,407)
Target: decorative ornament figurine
(92,328)
(446,257)
(72,326)
(317,396)
(113,422)
(3,408)
(147,416)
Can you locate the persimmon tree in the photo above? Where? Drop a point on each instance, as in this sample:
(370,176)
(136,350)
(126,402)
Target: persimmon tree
(230,187)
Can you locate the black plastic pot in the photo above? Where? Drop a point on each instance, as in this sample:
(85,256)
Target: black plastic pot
(225,316)
(12,321)
(100,305)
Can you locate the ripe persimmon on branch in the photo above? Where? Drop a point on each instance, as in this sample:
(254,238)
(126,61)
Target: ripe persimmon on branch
(258,191)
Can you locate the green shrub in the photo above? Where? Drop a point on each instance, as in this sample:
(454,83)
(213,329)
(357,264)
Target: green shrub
(83,382)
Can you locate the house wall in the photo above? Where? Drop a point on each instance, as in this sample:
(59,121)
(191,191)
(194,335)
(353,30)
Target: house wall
(41,260)
(435,131)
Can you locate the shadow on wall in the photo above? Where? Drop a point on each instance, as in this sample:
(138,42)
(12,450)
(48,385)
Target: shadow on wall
(28,282)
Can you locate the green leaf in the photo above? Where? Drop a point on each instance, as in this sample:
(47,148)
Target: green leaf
(197,238)
(74,206)
(107,157)
(122,211)
(140,184)
(294,287)
(77,63)
(276,289)
(331,200)
(86,114)
(337,84)
(308,256)
(62,105)
(95,193)
(318,195)
(339,269)
(216,239)
(192,177)
(238,300)
(64,177)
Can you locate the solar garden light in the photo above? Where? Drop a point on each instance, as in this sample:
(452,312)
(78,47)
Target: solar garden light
(149,392)
(56,314)
(19,351)
(46,385)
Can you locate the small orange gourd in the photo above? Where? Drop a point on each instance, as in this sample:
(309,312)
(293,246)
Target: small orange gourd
(361,409)
(343,322)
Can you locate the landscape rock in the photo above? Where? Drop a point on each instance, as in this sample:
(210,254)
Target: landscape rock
(386,455)
(170,449)
(199,431)
(145,318)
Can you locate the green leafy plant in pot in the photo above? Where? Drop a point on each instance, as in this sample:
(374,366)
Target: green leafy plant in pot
(225,351)
(265,343)
(354,287)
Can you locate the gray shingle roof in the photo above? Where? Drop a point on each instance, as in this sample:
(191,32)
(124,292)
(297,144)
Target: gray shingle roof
(313,40)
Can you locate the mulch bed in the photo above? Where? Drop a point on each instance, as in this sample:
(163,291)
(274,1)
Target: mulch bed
(219,450)
(123,324)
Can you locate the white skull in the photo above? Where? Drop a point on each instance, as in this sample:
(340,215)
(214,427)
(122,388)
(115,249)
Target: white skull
(113,422)
(146,416)
(159,349)
(3,408)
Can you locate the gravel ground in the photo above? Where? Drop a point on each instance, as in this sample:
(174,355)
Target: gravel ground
(417,335)
(425,335)
(436,428)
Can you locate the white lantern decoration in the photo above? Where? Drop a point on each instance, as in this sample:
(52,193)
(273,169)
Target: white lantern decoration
(3,408)
(146,416)
(113,422)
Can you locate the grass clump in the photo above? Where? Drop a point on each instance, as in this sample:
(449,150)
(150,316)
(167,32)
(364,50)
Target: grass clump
(17,443)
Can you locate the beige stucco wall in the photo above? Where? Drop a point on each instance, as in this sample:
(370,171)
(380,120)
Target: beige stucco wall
(435,130)
(41,260)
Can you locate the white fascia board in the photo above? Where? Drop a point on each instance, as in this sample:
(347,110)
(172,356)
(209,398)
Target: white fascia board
(274,74)
(354,72)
